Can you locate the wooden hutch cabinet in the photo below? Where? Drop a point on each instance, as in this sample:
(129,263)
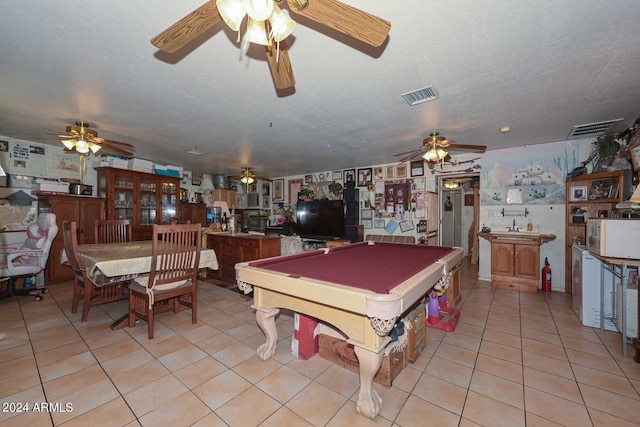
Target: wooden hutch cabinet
(194,212)
(586,200)
(84,211)
(143,198)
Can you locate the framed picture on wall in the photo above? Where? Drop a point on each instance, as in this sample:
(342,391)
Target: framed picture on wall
(406,225)
(349,175)
(364,177)
(294,188)
(278,190)
(390,172)
(401,171)
(366,213)
(378,223)
(417,168)
(378,174)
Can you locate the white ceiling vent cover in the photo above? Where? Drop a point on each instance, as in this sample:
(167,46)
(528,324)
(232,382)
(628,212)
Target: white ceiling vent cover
(592,129)
(420,95)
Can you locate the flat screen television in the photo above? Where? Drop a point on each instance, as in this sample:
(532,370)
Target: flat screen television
(320,219)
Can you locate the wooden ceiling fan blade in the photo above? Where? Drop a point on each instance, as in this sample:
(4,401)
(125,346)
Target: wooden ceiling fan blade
(116,150)
(188,28)
(414,151)
(281,70)
(122,144)
(346,19)
(480,148)
(410,157)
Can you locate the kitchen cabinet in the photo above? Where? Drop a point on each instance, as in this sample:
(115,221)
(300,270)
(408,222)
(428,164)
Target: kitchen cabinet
(515,259)
(582,203)
(194,212)
(84,211)
(142,198)
(231,249)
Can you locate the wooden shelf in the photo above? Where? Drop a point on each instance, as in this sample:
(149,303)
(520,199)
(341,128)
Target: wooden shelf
(578,230)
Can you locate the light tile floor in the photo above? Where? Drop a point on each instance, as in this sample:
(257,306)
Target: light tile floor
(515,359)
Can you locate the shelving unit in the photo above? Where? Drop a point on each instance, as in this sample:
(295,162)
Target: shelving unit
(591,204)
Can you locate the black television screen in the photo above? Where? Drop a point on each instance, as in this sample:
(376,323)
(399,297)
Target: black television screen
(320,219)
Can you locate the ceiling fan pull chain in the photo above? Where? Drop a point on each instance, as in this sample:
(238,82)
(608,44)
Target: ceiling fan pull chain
(277,52)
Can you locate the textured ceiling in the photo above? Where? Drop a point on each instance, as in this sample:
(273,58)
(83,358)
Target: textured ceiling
(540,67)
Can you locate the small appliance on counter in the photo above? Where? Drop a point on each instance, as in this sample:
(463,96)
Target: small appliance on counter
(614,238)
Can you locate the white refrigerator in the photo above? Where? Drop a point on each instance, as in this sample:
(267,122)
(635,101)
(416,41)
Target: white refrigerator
(586,276)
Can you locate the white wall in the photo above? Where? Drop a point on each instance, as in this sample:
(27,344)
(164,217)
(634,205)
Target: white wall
(546,219)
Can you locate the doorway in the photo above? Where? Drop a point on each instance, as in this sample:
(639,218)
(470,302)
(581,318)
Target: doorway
(457,209)
(451,218)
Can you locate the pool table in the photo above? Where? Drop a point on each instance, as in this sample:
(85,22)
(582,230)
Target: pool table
(361,289)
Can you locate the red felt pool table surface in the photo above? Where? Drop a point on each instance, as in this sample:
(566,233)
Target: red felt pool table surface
(375,267)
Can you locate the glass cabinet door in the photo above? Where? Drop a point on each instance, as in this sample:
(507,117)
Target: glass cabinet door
(123,197)
(148,202)
(169,201)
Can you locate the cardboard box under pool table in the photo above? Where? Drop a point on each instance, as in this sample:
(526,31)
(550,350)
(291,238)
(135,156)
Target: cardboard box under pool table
(341,353)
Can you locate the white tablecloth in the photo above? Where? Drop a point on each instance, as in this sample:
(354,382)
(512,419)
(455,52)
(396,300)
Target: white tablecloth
(117,259)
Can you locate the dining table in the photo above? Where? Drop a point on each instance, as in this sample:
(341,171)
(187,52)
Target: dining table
(127,260)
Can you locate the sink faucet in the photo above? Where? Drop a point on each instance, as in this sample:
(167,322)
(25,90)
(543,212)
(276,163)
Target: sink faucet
(513,227)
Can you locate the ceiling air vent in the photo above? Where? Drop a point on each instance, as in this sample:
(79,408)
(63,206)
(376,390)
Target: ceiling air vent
(420,95)
(592,129)
(195,152)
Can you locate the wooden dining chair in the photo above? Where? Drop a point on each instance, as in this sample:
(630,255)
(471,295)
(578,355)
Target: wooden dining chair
(175,221)
(173,279)
(113,231)
(95,290)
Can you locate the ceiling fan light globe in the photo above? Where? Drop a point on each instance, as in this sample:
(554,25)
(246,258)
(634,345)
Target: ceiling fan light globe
(430,155)
(94,147)
(232,12)
(69,143)
(257,33)
(246,180)
(281,24)
(441,153)
(82,147)
(258,10)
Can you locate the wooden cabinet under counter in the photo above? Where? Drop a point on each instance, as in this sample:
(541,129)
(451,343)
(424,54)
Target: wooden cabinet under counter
(515,259)
(231,249)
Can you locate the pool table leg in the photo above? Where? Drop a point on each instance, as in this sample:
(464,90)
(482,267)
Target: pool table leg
(369,401)
(266,321)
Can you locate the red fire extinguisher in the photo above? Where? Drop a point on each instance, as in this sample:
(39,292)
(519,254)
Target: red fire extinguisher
(546,276)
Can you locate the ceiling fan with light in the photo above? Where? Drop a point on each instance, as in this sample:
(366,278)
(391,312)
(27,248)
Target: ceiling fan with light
(452,183)
(269,25)
(248,176)
(436,149)
(81,139)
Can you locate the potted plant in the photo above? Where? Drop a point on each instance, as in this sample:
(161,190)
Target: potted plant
(288,216)
(335,189)
(306,193)
(605,147)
